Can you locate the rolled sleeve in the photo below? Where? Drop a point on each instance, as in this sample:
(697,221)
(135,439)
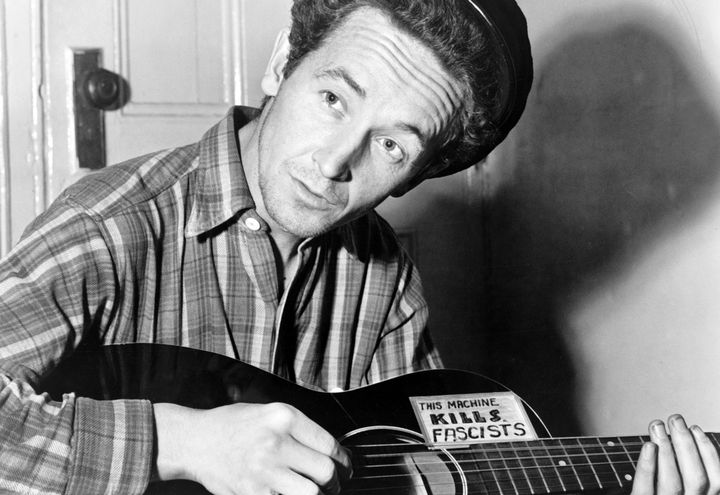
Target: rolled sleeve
(112,446)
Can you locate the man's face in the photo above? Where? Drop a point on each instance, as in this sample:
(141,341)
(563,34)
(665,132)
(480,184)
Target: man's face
(355,122)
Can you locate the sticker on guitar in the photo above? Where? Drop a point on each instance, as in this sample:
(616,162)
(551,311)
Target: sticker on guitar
(449,421)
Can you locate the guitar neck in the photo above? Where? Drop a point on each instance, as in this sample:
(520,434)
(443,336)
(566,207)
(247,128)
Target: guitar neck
(555,465)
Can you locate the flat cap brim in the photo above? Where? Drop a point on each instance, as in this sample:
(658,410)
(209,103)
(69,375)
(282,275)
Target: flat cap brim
(507,26)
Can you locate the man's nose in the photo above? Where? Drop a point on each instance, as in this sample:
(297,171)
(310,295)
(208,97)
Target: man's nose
(336,158)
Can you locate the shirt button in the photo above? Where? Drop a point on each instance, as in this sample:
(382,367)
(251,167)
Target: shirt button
(252,223)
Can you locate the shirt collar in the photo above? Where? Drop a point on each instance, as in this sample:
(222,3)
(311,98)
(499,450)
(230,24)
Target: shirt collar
(221,190)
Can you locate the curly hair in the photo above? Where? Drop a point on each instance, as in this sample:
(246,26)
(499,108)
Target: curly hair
(467,47)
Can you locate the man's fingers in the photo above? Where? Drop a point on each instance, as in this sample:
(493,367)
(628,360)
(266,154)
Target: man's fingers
(312,452)
(692,470)
(644,482)
(668,476)
(319,468)
(710,459)
(310,434)
(284,481)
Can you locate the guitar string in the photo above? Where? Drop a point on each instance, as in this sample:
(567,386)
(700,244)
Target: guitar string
(501,451)
(510,484)
(532,480)
(537,466)
(533,475)
(551,465)
(527,470)
(382,450)
(498,470)
(531,444)
(501,457)
(491,469)
(530,489)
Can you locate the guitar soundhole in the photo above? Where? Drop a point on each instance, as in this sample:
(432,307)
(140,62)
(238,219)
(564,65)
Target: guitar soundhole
(395,461)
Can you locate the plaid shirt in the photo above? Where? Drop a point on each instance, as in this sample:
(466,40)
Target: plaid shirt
(168,248)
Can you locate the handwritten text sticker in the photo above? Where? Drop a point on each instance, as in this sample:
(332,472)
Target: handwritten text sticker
(460,420)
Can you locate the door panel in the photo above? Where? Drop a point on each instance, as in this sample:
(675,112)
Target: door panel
(184,60)
(189,62)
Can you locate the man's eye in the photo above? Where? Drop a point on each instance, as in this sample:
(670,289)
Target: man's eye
(331,99)
(391,148)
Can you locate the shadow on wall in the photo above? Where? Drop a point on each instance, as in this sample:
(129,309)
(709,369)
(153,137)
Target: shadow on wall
(617,142)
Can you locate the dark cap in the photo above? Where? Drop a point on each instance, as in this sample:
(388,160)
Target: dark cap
(508,28)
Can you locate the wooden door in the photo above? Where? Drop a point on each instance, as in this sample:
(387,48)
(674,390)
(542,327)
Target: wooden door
(186,62)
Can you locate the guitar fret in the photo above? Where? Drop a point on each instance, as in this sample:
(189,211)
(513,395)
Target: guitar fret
(548,468)
(529,463)
(604,445)
(596,453)
(517,470)
(480,470)
(564,464)
(589,464)
(620,458)
(575,469)
(500,469)
(634,456)
(489,468)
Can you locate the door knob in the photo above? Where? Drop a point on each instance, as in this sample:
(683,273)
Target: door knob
(104,89)
(95,90)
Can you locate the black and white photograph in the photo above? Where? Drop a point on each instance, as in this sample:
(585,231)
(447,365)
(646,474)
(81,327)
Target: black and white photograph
(413,247)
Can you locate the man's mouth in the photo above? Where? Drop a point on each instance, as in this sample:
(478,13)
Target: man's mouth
(315,197)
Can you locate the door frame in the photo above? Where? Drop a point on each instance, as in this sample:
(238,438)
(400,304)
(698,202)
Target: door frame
(23,151)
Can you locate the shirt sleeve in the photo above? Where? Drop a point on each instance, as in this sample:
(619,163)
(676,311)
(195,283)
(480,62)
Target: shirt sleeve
(405,344)
(57,285)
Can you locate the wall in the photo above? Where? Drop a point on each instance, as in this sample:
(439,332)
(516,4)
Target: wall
(601,259)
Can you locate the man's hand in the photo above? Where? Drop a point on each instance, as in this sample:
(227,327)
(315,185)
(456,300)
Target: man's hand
(248,449)
(687,464)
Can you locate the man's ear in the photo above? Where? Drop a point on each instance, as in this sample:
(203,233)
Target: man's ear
(273,76)
(427,173)
(408,185)
(402,189)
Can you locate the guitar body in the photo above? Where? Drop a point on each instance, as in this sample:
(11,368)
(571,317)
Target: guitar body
(376,415)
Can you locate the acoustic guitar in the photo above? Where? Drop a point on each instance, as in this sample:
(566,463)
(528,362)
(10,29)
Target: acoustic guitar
(378,423)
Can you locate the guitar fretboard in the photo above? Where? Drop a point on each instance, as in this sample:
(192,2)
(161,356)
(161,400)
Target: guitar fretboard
(553,465)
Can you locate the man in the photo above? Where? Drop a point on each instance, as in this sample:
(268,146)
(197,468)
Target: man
(260,242)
